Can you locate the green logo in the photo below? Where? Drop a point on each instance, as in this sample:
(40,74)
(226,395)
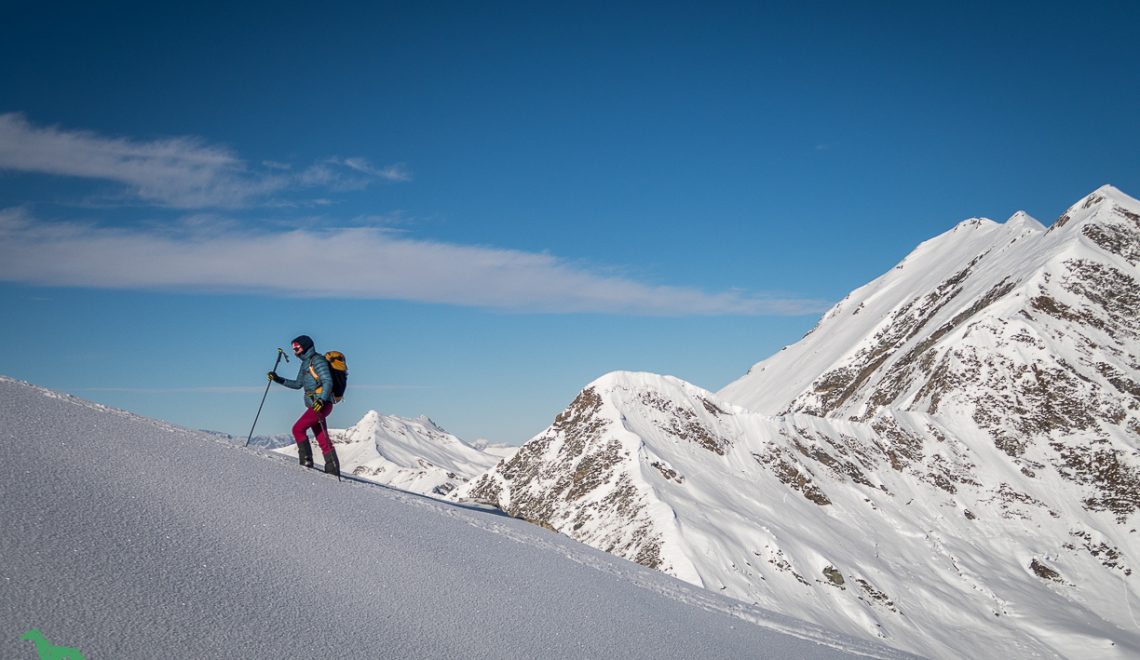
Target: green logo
(48,651)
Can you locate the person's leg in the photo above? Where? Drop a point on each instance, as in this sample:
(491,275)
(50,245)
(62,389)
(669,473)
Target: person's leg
(320,427)
(300,434)
(332,461)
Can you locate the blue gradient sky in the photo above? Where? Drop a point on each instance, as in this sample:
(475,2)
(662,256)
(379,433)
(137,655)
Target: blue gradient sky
(487,207)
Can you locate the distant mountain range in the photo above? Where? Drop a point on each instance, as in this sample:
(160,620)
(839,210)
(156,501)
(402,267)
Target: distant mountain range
(410,454)
(949,462)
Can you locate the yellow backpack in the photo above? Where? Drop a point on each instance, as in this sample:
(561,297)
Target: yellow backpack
(338,367)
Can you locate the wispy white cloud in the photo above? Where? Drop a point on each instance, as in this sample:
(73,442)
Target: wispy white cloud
(181,172)
(347,263)
(345,174)
(324,175)
(176,172)
(396,172)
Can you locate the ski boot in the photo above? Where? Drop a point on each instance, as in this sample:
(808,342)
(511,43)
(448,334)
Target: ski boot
(332,463)
(305,453)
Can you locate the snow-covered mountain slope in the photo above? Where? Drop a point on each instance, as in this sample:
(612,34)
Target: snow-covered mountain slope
(1031,336)
(938,550)
(982,308)
(494,448)
(131,538)
(955,467)
(410,454)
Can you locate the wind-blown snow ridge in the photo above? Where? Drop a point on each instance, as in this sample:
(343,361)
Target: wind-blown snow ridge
(126,537)
(949,461)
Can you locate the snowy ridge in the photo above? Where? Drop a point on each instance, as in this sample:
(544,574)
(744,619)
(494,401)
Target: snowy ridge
(805,516)
(871,310)
(411,454)
(1033,345)
(933,294)
(955,466)
(215,550)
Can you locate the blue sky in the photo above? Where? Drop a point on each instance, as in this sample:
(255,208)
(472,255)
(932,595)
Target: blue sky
(487,207)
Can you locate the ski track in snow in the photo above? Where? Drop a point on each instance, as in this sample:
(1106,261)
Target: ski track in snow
(129,538)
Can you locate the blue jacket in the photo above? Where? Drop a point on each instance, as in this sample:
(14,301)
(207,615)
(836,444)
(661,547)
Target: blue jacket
(315,388)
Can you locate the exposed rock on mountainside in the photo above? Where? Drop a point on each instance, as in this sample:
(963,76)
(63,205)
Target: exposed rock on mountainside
(1034,339)
(954,443)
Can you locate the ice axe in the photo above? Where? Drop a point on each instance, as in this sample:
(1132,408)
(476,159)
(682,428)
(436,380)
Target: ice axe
(280,354)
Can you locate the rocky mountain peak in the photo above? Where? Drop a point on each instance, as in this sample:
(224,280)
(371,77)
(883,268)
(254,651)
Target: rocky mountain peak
(1105,205)
(974,411)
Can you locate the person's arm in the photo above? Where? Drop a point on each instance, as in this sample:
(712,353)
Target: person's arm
(291,383)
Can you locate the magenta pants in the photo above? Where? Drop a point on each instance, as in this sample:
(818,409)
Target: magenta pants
(311,421)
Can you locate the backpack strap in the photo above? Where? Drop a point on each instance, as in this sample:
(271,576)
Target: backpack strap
(320,388)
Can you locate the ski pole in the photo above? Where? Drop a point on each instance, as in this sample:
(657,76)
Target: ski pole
(280,354)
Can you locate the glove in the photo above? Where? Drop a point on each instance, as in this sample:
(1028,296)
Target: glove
(318,404)
(274,377)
